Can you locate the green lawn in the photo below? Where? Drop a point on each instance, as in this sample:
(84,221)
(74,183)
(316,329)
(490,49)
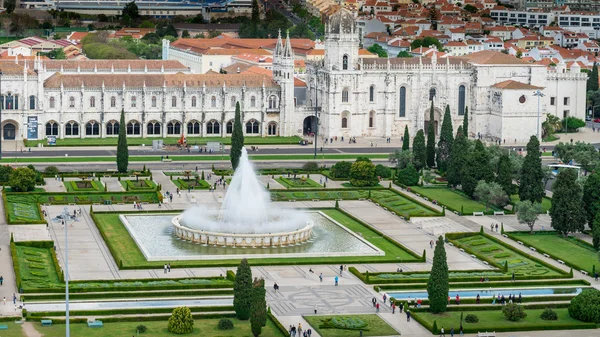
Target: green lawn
(20,209)
(518,263)
(400,204)
(281,195)
(138,185)
(84,186)
(493,320)
(169,140)
(453,200)
(14,330)
(302,182)
(126,251)
(36,268)
(570,250)
(375,326)
(197,184)
(205,327)
(546,202)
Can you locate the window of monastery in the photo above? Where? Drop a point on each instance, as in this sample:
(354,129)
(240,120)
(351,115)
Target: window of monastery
(253,102)
(71,102)
(134,128)
(72,129)
(213,127)
(52,102)
(112,128)
(92,128)
(173,101)
(9,102)
(272,129)
(229,127)
(52,128)
(133,102)
(345,62)
(432,94)
(154,101)
(153,128)
(31,102)
(273,102)
(193,128)
(193,101)
(174,128)
(344,123)
(233,101)
(345,95)
(372,119)
(402,102)
(213,102)
(113,102)
(252,126)
(92,102)
(461,100)
(372,93)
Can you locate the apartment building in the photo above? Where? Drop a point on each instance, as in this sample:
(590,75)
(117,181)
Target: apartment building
(508,16)
(581,22)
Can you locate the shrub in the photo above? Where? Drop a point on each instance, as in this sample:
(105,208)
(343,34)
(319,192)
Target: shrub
(549,315)
(141,328)
(181,321)
(408,176)
(51,171)
(514,312)
(471,318)
(586,306)
(341,169)
(310,166)
(382,171)
(225,324)
(362,173)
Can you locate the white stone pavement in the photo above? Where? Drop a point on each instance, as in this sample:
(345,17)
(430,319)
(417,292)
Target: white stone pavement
(8,287)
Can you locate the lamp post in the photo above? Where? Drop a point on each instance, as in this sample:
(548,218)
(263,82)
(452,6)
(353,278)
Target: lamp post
(539,95)
(316,117)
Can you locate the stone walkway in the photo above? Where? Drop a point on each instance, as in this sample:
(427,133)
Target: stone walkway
(53,185)
(8,287)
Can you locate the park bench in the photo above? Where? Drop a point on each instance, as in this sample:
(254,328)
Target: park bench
(3,327)
(546,255)
(506,236)
(95,324)
(478,213)
(584,272)
(486,334)
(520,242)
(532,249)
(561,262)
(473,256)
(314,200)
(167,160)
(498,212)
(46,322)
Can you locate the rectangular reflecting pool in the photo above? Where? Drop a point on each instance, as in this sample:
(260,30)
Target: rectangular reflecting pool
(111,305)
(488,293)
(154,236)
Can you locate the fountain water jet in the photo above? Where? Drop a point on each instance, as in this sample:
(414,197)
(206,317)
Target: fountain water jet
(246,219)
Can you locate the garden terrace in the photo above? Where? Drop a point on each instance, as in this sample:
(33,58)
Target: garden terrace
(325,194)
(301,182)
(21,210)
(101,294)
(139,185)
(84,186)
(79,198)
(453,200)
(127,253)
(401,204)
(576,253)
(88,174)
(348,325)
(192,183)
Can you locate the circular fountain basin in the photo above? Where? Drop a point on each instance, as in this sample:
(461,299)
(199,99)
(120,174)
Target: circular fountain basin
(240,239)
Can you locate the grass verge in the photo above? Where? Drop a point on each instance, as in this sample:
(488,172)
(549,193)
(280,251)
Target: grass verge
(373,325)
(453,200)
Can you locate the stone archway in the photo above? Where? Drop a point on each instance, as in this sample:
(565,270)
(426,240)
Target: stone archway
(437,120)
(309,125)
(9,131)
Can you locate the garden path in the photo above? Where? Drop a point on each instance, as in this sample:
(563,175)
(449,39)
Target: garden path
(113,184)
(53,185)
(30,330)
(8,287)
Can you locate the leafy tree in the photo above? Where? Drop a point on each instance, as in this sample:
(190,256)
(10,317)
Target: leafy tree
(406,139)
(181,321)
(10,5)
(585,154)
(591,197)
(50,171)
(426,42)
(457,163)
(470,8)
(258,317)
(5,171)
(185,34)
(22,179)
(197,19)
(419,150)
(527,213)
(592,81)
(147,24)
(242,291)
(445,142)
(401,158)
(404,54)
(514,312)
(131,10)
(431,139)
(550,125)
(596,231)
(586,306)
(362,173)
(408,176)
(122,151)
(341,169)
(302,30)
(531,183)
(237,138)
(490,193)
(567,211)
(377,49)
(382,171)
(477,169)
(504,174)
(438,283)
(572,123)
(466,122)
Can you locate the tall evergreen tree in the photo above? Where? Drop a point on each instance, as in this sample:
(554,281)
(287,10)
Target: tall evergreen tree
(459,131)
(592,82)
(122,151)
(431,139)
(242,291)
(255,12)
(504,174)
(445,142)
(457,163)
(237,138)
(531,184)
(591,197)
(419,151)
(466,122)
(477,168)
(406,139)
(567,211)
(258,317)
(438,283)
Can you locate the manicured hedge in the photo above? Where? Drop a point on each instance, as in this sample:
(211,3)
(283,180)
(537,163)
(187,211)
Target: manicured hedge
(405,196)
(136,318)
(469,285)
(128,294)
(10,221)
(136,311)
(150,185)
(96,186)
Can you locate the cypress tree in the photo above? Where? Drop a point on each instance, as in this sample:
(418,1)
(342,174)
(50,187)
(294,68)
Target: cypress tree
(438,283)
(504,174)
(531,184)
(419,151)
(477,168)
(457,163)
(406,139)
(459,131)
(242,291)
(591,195)
(237,138)
(122,151)
(465,125)
(258,317)
(567,211)
(596,232)
(445,142)
(431,139)
(592,82)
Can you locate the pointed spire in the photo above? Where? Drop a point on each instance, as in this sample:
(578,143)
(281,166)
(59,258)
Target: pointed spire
(288,46)
(278,45)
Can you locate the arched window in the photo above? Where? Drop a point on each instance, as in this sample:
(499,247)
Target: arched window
(461,100)
(229,127)
(153,128)
(154,101)
(92,128)
(432,94)
(213,102)
(345,95)
(133,101)
(272,129)
(344,123)
(72,129)
(193,101)
(233,101)
(273,102)
(403,102)
(252,126)
(213,127)
(51,128)
(92,102)
(174,128)
(10,102)
(113,102)
(345,62)
(372,93)
(372,119)
(193,128)
(253,102)
(134,128)
(112,128)
(71,102)
(31,102)
(173,101)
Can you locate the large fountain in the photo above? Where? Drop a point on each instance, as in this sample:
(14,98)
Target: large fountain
(246,219)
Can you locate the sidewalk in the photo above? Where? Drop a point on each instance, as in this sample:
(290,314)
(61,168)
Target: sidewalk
(8,287)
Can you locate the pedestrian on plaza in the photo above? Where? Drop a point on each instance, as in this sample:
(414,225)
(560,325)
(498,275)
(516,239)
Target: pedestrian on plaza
(14,298)
(460,330)
(408,315)
(275,287)
(384,298)
(393,308)
(477,299)
(442,334)
(1,280)
(165,268)
(299,328)
(321,277)
(315,309)
(496,228)
(169,267)
(341,269)
(4,300)
(452,332)
(457,299)
(431,244)
(596,276)
(336,281)
(520,298)
(374,301)
(401,306)
(309,331)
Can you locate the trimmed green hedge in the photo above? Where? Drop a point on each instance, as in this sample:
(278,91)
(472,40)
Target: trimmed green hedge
(138,311)
(526,299)
(113,319)
(9,210)
(469,285)
(127,294)
(409,198)
(130,185)
(95,186)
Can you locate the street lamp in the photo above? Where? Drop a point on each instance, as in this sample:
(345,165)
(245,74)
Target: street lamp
(316,117)
(539,95)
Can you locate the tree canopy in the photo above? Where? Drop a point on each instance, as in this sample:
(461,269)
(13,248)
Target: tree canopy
(419,150)
(426,42)
(567,211)
(438,283)
(377,49)
(445,142)
(531,183)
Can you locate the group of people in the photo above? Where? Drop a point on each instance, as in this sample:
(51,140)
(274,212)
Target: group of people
(496,226)
(443,333)
(299,332)
(138,205)
(503,300)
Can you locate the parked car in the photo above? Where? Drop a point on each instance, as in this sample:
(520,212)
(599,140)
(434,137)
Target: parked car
(597,120)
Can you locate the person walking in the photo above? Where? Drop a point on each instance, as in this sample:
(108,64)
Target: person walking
(377,307)
(431,244)
(460,330)
(275,287)
(341,269)
(169,267)
(299,328)
(442,334)
(315,309)
(408,315)
(596,276)
(452,332)
(384,298)
(1,280)
(321,277)
(393,308)
(513,276)
(14,298)
(336,281)
(165,268)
